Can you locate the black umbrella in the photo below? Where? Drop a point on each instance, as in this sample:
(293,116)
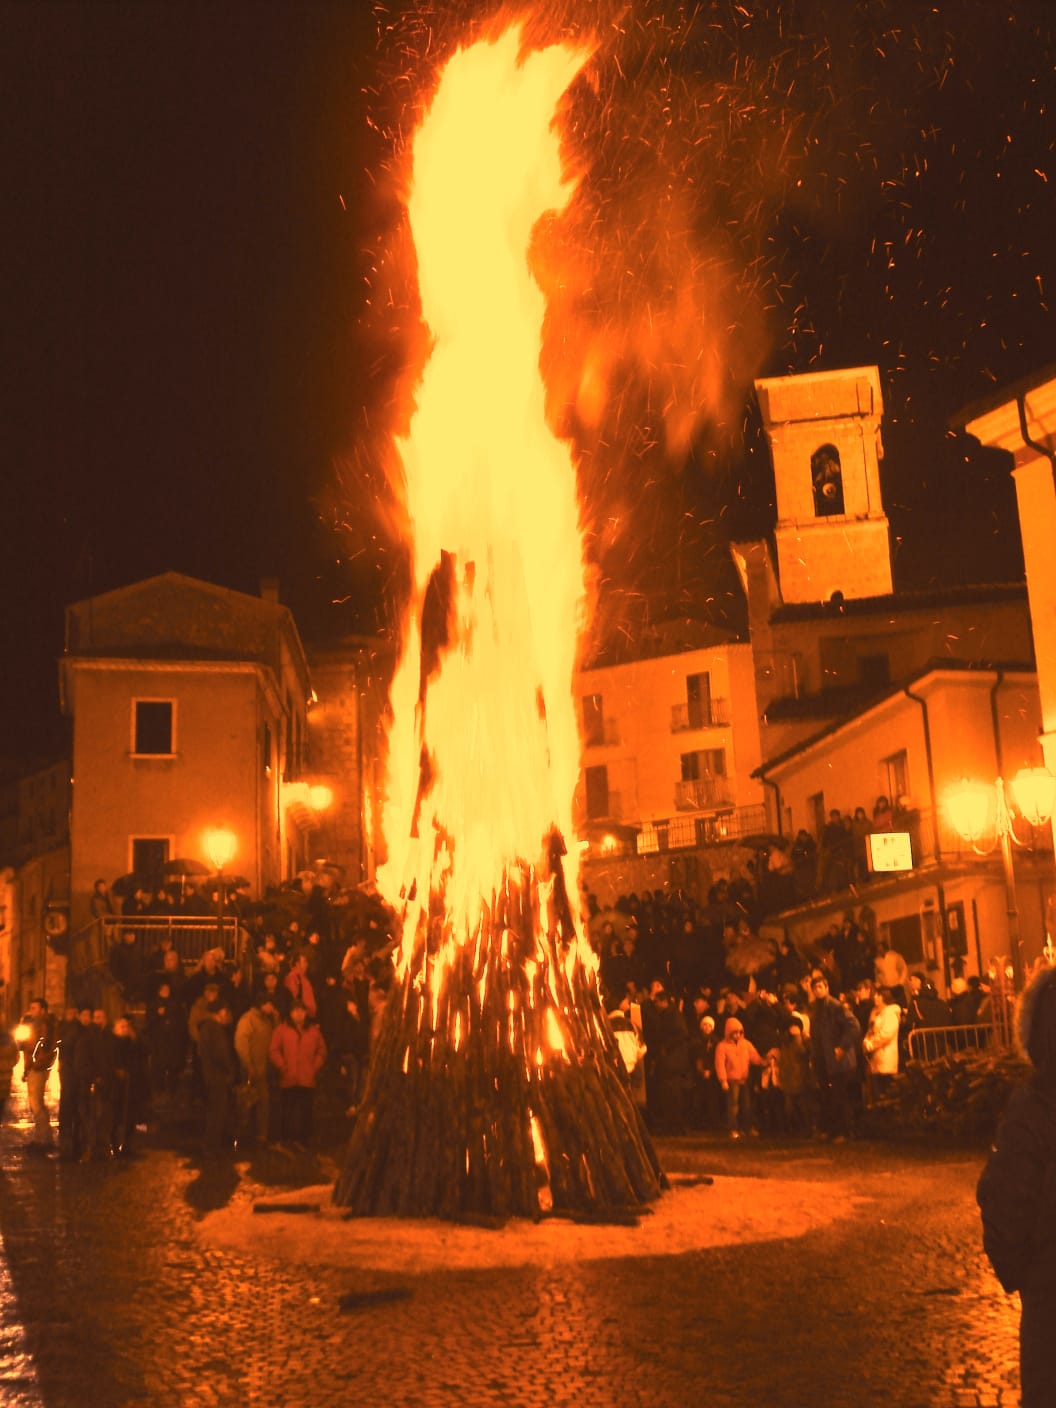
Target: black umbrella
(764,841)
(126,885)
(231,883)
(276,911)
(182,867)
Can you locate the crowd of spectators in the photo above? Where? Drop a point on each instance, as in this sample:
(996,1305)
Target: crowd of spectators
(240,1039)
(719,1027)
(837,859)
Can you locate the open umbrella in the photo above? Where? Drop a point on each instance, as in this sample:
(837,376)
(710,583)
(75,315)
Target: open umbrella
(126,885)
(277,910)
(231,884)
(764,841)
(183,868)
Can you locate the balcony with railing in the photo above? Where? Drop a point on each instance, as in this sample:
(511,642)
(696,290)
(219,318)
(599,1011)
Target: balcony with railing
(90,947)
(698,794)
(705,713)
(680,833)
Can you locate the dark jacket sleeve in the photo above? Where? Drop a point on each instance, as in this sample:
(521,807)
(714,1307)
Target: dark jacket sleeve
(216,1054)
(1015,1195)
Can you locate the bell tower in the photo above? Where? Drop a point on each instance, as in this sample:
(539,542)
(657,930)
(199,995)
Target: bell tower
(832,532)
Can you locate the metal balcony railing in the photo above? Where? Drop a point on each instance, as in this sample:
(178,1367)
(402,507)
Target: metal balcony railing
(713,713)
(687,832)
(191,935)
(700,793)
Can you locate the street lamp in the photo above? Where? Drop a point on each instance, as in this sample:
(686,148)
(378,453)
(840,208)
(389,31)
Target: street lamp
(975,807)
(220,846)
(320,796)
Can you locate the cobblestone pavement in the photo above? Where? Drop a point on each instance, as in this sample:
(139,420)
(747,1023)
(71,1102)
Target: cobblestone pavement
(108,1295)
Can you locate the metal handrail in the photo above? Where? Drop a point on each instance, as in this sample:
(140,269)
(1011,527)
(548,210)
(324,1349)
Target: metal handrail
(191,935)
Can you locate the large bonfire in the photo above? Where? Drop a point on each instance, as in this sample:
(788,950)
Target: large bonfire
(495,1087)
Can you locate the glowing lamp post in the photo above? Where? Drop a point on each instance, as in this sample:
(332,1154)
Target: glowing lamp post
(220,846)
(977,808)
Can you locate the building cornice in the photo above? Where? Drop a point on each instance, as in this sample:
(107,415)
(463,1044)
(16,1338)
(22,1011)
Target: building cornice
(926,681)
(129,664)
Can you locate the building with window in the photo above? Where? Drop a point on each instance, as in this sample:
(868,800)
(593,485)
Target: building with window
(670,745)
(189,705)
(867,692)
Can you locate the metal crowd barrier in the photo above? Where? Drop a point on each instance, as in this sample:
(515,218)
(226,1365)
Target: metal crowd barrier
(933,1043)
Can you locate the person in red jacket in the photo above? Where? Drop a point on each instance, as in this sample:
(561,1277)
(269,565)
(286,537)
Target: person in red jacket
(298,1053)
(299,985)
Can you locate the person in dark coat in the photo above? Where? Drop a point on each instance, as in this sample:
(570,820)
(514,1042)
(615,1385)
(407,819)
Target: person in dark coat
(1017,1192)
(219,1067)
(9,1059)
(667,1079)
(351,1045)
(835,1043)
(270,988)
(93,1078)
(70,1028)
(128,966)
(131,1086)
(166,1038)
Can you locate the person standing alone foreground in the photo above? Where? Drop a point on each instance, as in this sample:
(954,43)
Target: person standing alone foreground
(1017,1193)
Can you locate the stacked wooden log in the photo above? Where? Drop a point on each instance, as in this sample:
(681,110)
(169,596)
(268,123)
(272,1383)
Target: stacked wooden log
(496,1088)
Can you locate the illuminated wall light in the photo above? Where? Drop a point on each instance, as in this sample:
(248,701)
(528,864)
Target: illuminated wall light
(320,796)
(220,845)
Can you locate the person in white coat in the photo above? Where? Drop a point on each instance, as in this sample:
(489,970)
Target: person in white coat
(880,1043)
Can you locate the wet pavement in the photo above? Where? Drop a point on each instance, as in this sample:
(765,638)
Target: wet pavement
(110,1293)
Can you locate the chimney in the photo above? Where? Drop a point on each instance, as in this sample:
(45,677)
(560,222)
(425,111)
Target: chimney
(269,590)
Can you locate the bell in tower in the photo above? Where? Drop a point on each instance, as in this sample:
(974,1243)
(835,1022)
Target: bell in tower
(832,532)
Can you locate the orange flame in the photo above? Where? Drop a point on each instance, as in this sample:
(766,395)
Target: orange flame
(484,749)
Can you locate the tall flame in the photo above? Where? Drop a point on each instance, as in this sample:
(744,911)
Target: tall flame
(484,743)
(494,1083)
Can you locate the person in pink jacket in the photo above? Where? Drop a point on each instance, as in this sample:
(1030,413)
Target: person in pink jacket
(298,1053)
(734,1057)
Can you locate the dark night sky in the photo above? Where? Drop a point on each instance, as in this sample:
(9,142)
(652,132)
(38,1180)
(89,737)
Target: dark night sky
(194,201)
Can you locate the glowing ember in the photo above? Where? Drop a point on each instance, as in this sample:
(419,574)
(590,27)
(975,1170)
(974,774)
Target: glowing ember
(496,1084)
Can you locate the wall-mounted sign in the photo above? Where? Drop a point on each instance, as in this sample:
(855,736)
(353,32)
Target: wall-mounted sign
(889,850)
